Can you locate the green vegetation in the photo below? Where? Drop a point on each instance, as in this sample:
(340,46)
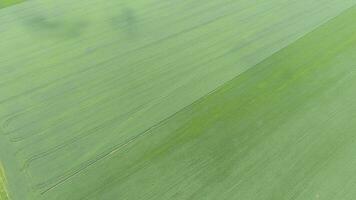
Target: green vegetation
(197,99)
(6,3)
(3,191)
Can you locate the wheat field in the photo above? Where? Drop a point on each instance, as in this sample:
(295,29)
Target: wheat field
(177,100)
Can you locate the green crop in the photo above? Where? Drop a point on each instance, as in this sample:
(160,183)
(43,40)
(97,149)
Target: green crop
(161,100)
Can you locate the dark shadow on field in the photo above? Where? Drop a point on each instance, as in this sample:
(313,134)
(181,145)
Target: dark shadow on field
(126,21)
(55,28)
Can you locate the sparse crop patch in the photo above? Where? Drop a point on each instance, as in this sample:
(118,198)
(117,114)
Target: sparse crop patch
(3,190)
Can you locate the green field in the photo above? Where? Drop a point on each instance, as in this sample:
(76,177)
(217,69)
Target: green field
(6,3)
(3,190)
(184,100)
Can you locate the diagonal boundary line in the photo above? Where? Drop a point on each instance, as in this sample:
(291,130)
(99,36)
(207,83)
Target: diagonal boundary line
(8,3)
(118,147)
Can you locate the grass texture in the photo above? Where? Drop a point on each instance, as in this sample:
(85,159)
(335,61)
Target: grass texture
(197,99)
(3,190)
(6,3)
